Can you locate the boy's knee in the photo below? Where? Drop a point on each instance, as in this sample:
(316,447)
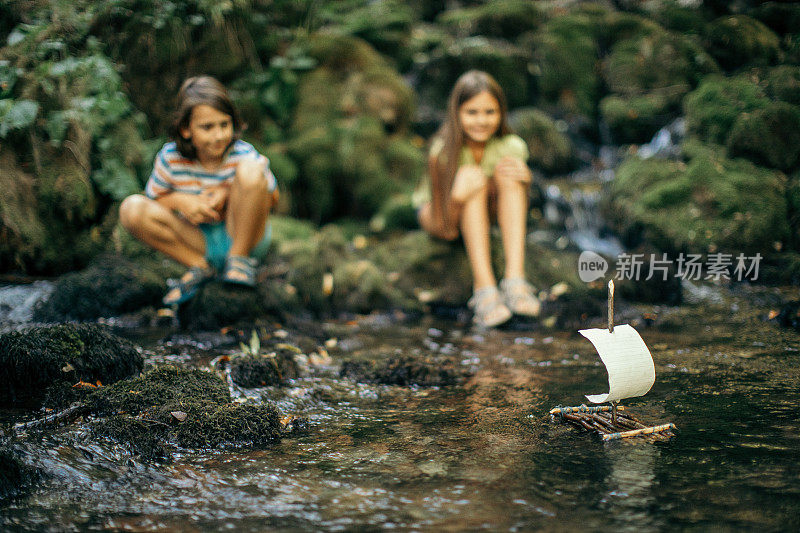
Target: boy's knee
(131,210)
(250,175)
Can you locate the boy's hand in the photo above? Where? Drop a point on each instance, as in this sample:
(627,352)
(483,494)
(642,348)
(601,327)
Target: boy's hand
(196,209)
(216,198)
(511,168)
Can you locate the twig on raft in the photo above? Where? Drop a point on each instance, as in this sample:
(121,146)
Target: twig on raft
(642,431)
(75,409)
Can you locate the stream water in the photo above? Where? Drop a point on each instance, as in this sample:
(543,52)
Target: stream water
(480,455)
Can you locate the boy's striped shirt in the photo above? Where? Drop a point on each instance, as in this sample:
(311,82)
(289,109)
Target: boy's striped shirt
(172,172)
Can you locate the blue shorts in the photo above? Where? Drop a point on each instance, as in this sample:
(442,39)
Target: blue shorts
(218,243)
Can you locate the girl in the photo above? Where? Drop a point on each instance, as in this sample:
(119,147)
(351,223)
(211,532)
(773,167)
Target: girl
(208,198)
(477,164)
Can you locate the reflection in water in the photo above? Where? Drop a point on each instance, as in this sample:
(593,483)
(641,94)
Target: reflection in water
(630,485)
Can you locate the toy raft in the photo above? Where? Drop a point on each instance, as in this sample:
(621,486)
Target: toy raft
(631,373)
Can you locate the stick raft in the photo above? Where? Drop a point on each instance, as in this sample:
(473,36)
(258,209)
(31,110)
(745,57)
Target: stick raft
(598,420)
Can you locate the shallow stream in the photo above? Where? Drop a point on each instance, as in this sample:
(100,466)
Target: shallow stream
(483,454)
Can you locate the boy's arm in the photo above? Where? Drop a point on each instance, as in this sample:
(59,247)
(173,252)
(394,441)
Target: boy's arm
(193,207)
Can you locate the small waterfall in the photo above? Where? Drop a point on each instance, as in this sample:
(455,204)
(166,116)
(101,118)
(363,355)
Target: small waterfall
(18,301)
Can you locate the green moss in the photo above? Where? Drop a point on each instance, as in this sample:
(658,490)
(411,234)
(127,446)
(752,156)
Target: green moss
(33,359)
(768,136)
(404,371)
(504,18)
(739,40)
(783,83)
(635,119)
(661,61)
(550,148)
(261,370)
(184,407)
(566,57)
(714,106)
(710,203)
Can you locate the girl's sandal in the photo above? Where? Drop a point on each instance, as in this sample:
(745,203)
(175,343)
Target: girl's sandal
(520,297)
(240,270)
(184,289)
(489,309)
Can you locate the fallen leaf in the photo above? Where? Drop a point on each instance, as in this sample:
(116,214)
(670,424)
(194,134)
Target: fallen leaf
(180,416)
(67,368)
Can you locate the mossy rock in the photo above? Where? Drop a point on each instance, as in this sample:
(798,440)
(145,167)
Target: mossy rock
(710,203)
(551,149)
(738,40)
(110,287)
(174,406)
(405,371)
(783,83)
(505,61)
(661,61)
(350,135)
(565,56)
(398,213)
(713,108)
(505,19)
(33,359)
(635,119)
(220,304)
(782,18)
(768,136)
(680,19)
(263,370)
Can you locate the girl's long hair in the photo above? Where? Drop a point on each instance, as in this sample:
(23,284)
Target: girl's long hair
(196,91)
(443,168)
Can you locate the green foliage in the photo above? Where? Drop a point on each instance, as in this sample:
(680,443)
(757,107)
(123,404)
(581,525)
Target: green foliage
(739,40)
(768,136)
(714,106)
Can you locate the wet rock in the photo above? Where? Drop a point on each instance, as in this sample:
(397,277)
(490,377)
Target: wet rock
(220,304)
(33,359)
(138,412)
(111,286)
(262,370)
(16,477)
(404,370)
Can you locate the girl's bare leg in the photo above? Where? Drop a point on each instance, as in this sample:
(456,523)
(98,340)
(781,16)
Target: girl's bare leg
(160,228)
(248,207)
(475,228)
(512,209)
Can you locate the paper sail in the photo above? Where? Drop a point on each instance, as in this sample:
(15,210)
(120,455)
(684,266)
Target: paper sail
(631,371)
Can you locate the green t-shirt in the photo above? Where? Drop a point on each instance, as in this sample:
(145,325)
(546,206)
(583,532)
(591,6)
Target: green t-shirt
(496,149)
